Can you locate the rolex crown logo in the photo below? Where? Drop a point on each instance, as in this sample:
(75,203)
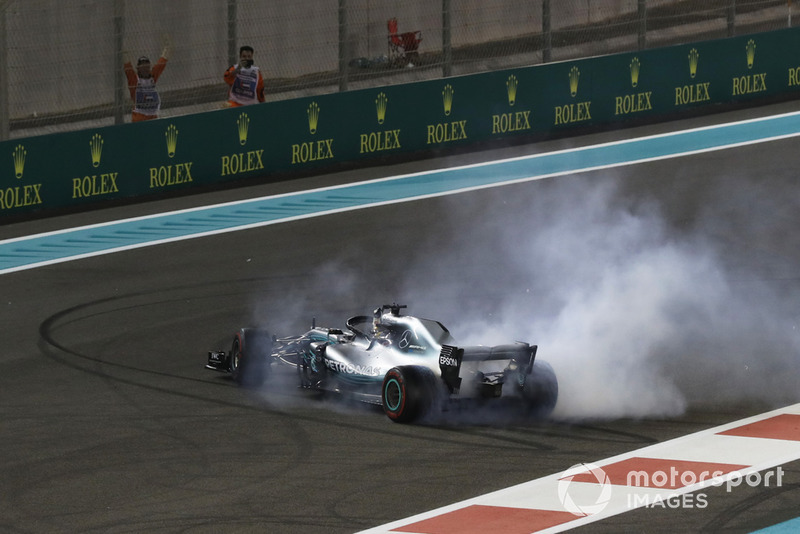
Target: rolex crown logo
(380,106)
(635,67)
(19,160)
(447,98)
(96,146)
(313,117)
(694,57)
(172,139)
(511,87)
(574,78)
(243,123)
(751,53)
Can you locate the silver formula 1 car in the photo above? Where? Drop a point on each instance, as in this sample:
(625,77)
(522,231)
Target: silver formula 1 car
(407,364)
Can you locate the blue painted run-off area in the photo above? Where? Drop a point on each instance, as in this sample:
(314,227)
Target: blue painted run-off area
(43,249)
(787,527)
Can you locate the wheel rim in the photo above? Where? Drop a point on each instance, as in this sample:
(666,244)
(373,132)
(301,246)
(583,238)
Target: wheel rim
(393,394)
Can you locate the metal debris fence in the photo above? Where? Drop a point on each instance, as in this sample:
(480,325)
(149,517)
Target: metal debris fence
(61,60)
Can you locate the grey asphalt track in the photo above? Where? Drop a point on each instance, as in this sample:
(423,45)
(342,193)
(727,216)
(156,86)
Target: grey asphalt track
(110,423)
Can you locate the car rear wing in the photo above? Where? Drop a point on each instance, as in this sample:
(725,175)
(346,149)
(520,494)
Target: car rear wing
(451,358)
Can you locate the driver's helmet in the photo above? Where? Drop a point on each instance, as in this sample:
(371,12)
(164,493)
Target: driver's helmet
(378,328)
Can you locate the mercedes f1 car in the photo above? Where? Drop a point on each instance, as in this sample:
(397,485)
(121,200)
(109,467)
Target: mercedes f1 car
(406,364)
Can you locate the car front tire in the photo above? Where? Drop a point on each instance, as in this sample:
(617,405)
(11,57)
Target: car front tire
(250,354)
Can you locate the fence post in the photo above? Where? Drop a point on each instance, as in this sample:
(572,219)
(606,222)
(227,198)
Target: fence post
(120,83)
(5,121)
(447,50)
(233,51)
(547,48)
(732,18)
(642,24)
(343,45)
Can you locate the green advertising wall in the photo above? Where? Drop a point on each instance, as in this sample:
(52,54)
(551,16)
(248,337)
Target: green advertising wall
(78,169)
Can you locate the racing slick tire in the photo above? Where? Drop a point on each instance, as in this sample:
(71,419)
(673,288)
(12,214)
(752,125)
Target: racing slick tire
(540,390)
(408,393)
(250,356)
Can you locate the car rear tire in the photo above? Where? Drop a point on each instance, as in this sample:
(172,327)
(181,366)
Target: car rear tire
(408,393)
(250,356)
(541,389)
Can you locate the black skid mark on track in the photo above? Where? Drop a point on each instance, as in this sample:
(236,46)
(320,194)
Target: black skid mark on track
(521,432)
(723,521)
